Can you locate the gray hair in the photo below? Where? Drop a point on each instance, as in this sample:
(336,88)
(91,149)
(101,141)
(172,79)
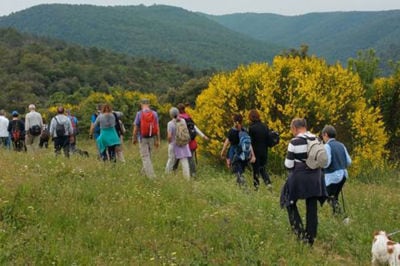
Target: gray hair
(173,112)
(298,123)
(32,107)
(329,130)
(2,112)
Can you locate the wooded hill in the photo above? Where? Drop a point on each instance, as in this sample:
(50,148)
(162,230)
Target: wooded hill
(38,70)
(163,32)
(336,36)
(203,41)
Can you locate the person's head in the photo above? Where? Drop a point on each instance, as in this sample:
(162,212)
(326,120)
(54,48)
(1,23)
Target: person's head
(15,113)
(60,110)
(298,125)
(106,108)
(31,107)
(181,108)
(68,112)
(99,107)
(145,103)
(328,132)
(173,112)
(2,112)
(237,120)
(254,116)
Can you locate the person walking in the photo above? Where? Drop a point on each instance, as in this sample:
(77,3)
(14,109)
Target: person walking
(233,160)
(336,169)
(75,131)
(194,131)
(146,132)
(175,151)
(4,134)
(302,183)
(259,134)
(33,128)
(16,129)
(61,132)
(108,138)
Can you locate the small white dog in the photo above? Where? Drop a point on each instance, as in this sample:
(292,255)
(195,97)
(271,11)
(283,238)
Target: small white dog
(384,250)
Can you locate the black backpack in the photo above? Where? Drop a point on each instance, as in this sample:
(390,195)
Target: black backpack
(60,129)
(273,138)
(191,127)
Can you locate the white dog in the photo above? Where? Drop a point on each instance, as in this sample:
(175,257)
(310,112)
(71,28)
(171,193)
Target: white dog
(394,251)
(384,250)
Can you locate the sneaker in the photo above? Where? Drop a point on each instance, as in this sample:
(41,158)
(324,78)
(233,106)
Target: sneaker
(269,187)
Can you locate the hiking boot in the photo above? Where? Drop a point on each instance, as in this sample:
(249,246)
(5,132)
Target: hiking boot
(240,180)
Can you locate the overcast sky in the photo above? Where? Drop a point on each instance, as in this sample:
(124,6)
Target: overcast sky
(218,7)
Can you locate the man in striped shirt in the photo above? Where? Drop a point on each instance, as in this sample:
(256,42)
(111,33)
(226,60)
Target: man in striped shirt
(302,183)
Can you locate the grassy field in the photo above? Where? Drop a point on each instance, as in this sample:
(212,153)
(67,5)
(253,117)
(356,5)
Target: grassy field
(55,211)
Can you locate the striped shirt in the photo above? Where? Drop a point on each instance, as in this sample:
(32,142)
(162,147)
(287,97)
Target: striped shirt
(297,149)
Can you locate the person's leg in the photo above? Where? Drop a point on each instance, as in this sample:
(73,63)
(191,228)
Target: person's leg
(192,164)
(256,181)
(65,146)
(170,166)
(311,219)
(295,219)
(185,168)
(111,153)
(57,146)
(28,142)
(237,168)
(145,152)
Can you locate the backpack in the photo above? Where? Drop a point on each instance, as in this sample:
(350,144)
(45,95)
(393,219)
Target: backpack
(182,135)
(15,131)
(190,125)
(273,138)
(35,130)
(148,124)
(316,153)
(45,136)
(244,146)
(60,129)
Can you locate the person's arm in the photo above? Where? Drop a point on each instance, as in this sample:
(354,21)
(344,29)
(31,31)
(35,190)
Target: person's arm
(289,160)
(198,131)
(169,133)
(348,158)
(225,146)
(135,129)
(328,154)
(253,155)
(158,137)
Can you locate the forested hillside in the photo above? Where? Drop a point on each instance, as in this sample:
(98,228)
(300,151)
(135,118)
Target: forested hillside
(162,32)
(37,70)
(335,36)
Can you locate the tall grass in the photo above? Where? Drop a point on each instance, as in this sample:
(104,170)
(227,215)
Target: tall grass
(81,211)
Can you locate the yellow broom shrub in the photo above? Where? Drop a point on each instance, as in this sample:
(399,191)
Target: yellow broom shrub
(294,87)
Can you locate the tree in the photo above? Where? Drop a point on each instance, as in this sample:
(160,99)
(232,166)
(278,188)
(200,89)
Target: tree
(295,87)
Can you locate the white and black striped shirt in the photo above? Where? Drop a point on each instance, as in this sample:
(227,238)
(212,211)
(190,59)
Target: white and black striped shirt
(297,149)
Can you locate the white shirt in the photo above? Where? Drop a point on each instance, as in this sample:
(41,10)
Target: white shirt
(3,126)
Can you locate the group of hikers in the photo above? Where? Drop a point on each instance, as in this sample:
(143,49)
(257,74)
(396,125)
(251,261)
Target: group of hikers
(312,181)
(32,132)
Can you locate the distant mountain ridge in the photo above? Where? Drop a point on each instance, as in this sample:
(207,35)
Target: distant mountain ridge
(206,41)
(163,32)
(335,36)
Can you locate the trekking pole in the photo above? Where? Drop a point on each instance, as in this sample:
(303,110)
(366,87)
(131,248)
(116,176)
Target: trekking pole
(344,209)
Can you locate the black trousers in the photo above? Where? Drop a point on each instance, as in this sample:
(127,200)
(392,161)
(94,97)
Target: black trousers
(334,189)
(333,194)
(308,233)
(259,169)
(61,143)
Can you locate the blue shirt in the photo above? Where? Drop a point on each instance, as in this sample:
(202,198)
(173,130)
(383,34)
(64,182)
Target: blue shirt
(336,176)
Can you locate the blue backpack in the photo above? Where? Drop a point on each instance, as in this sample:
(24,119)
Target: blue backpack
(244,146)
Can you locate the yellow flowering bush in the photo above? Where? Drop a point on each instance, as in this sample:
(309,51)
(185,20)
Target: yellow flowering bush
(293,87)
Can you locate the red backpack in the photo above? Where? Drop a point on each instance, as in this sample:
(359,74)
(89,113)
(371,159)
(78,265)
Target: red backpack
(148,124)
